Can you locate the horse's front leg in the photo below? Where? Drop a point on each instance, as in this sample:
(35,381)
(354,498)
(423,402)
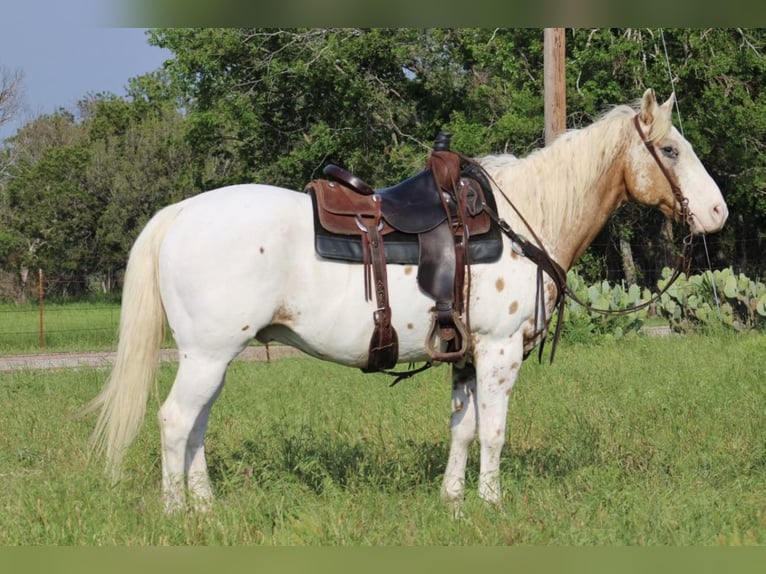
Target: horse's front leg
(463,431)
(497,367)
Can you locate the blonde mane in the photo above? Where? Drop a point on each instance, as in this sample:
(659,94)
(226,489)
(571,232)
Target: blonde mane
(551,185)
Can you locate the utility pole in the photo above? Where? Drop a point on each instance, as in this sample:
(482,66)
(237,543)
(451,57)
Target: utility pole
(554,82)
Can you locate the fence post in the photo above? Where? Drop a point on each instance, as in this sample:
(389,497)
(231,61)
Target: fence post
(40,297)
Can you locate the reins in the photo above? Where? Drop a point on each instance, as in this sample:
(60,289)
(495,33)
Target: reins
(682,266)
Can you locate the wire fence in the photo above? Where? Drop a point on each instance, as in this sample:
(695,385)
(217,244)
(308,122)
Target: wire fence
(58,327)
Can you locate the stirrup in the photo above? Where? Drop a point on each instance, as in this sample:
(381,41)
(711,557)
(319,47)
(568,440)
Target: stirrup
(434,339)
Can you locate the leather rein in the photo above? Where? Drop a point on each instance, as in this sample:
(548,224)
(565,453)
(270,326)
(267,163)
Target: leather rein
(537,253)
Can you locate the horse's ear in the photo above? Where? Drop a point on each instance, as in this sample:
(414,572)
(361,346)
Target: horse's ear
(667,107)
(648,107)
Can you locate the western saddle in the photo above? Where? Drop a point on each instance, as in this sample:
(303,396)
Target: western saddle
(429,220)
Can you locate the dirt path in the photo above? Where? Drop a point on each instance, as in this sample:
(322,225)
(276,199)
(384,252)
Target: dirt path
(106,359)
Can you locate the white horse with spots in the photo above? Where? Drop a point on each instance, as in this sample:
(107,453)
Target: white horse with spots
(239,262)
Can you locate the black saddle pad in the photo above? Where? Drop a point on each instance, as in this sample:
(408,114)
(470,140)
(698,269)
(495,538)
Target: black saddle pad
(402,248)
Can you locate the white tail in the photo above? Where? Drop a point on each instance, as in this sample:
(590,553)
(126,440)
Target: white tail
(142,320)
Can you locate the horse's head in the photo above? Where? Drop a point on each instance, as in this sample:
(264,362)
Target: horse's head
(663,170)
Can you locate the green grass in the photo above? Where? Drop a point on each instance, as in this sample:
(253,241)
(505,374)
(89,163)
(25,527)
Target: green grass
(644,441)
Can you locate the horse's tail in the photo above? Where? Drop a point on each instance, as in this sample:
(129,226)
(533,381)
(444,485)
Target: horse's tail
(142,320)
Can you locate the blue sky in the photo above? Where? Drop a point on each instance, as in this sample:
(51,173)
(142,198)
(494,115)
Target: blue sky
(66,50)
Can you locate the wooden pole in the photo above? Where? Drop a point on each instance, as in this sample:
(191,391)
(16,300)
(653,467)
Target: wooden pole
(554,82)
(40,297)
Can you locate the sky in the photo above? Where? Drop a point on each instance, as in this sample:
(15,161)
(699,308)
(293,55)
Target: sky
(66,49)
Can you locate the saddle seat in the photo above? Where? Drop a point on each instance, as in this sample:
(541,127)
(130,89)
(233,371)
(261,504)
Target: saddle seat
(345,204)
(412,206)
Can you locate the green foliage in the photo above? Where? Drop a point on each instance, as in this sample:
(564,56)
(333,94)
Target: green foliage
(260,96)
(51,203)
(79,193)
(137,173)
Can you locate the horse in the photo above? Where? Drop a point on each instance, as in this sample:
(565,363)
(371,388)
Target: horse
(238,262)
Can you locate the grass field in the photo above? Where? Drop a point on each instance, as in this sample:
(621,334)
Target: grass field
(647,441)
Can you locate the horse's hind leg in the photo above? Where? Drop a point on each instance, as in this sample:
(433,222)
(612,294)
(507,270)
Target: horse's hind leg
(183,422)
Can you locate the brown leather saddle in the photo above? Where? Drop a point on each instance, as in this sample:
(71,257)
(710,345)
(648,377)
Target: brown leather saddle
(435,220)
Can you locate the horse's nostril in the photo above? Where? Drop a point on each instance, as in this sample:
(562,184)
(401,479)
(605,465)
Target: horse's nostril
(719,213)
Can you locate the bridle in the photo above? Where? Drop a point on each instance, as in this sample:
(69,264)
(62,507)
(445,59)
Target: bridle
(538,254)
(686,215)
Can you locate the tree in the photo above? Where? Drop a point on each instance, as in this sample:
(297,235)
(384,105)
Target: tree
(52,211)
(82,186)
(10,94)
(139,162)
(276,105)
(22,236)
(134,174)
(10,103)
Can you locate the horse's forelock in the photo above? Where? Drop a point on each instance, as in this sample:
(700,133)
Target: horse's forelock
(660,127)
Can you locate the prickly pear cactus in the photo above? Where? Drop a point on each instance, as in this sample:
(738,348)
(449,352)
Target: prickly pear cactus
(696,302)
(717,297)
(604,296)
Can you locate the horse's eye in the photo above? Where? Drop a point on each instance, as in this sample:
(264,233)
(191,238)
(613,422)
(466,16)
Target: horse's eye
(669,151)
